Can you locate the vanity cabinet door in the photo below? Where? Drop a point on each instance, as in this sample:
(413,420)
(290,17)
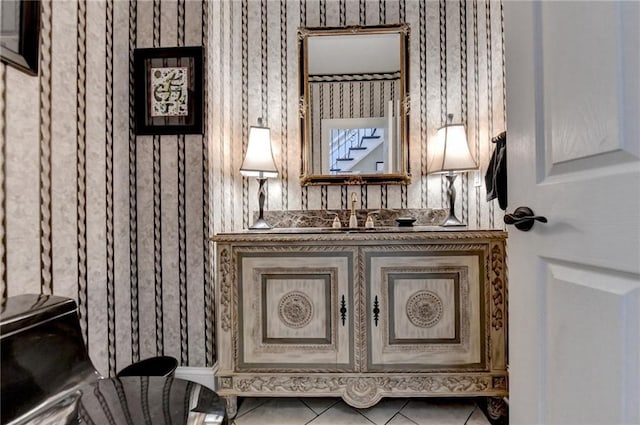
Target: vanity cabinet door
(294,310)
(426,309)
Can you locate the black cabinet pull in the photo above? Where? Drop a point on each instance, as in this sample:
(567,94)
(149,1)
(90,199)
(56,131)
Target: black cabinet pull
(343,310)
(376,310)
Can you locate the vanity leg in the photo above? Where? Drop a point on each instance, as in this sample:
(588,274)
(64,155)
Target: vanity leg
(496,407)
(232,406)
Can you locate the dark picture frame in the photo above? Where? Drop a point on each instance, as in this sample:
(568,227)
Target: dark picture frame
(168,90)
(20,34)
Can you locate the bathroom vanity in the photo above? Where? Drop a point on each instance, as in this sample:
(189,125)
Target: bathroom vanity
(361,314)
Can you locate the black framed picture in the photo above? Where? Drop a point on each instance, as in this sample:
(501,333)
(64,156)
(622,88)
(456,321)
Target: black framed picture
(168,90)
(20,34)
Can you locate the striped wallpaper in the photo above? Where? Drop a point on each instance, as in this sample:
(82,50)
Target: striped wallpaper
(456,66)
(90,210)
(119,222)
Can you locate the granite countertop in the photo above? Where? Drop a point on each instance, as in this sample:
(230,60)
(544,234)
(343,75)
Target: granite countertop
(317,225)
(345,234)
(324,218)
(362,229)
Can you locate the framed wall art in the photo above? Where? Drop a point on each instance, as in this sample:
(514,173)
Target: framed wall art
(20,34)
(168,90)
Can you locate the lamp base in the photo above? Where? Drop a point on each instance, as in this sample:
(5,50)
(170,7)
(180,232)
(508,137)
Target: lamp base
(260,224)
(452,221)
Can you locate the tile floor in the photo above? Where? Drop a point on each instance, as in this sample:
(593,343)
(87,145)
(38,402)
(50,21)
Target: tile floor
(334,411)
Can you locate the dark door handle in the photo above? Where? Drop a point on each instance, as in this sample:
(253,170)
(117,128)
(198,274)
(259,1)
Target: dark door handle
(523,218)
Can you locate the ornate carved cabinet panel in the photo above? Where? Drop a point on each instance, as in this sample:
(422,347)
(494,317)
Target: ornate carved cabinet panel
(426,309)
(289,310)
(362,316)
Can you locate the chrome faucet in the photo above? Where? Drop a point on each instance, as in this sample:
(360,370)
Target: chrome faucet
(353,220)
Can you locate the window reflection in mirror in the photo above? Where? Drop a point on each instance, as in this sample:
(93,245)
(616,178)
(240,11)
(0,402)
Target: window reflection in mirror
(353,93)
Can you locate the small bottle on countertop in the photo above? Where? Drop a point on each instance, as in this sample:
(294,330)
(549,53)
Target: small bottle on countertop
(336,222)
(369,223)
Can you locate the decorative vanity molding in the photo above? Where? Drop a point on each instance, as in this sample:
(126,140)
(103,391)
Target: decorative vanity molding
(395,312)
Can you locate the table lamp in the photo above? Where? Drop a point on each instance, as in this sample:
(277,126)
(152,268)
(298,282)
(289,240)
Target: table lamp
(258,162)
(450,154)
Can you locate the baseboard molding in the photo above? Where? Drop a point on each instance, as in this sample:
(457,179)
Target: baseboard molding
(202,375)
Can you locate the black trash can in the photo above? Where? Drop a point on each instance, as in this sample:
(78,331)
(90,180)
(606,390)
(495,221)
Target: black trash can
(153,366)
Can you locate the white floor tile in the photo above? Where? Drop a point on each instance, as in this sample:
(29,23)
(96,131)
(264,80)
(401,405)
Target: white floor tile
(384,410)
(280,411)
(400,419)
(249,403)
(438,412)
(341,414)
(334,411)
(478,418)
(319,404)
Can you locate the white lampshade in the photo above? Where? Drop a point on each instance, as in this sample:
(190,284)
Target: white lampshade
(450,151)
(258,161)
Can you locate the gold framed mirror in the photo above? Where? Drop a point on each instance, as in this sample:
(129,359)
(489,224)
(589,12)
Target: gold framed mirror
(354,104)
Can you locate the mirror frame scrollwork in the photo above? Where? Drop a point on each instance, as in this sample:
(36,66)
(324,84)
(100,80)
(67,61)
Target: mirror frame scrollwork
(307,177)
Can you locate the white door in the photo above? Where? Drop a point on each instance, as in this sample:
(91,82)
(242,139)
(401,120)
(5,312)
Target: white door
(573,90)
